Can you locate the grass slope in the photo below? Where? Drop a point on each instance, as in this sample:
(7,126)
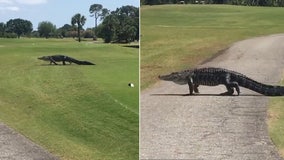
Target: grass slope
(175,37)
(76,112)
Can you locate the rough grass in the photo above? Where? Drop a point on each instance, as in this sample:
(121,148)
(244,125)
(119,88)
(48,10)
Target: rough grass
(176,37)
(76,112)
(276,122)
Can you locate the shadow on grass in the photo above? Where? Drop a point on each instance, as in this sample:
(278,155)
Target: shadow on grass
(132,46)
(219,95)
(54,65)
(44,65)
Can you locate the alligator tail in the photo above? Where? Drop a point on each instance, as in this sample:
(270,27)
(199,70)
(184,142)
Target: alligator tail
(267,90)
(79,62)
(73,60)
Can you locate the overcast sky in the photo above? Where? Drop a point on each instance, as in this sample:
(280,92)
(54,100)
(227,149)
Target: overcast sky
(59,12)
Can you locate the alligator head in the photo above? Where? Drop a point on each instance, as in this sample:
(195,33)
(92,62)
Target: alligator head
(176,77)
(44,58)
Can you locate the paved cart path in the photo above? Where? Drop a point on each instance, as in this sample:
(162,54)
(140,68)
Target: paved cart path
(14,146)
(212,127)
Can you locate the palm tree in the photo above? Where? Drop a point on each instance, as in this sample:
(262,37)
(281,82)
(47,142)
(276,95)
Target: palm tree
(79,21)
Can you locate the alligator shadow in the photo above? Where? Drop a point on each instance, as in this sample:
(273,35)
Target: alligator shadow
(54,65)
(204,95)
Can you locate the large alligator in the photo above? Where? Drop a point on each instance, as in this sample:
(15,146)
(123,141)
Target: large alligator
(216,76)
(63,59)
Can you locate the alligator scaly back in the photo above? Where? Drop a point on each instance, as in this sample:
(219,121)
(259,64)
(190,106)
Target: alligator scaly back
(216,76)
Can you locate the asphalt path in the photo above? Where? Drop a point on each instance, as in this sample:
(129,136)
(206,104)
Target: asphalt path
(212,127)
(14,146)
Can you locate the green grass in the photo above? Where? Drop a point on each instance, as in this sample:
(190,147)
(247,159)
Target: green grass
(176,37)
(276,122)
(76,112)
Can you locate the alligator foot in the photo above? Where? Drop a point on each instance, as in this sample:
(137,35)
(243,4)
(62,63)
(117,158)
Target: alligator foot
(227,94)
(188,94)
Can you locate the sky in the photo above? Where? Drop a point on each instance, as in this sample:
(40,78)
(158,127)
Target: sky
(59,12)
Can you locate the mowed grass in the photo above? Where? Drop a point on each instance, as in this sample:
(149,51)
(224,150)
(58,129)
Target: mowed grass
(76,112)
(175,37)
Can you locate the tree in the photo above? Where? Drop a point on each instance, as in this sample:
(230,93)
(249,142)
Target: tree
(78,20)
(2,29)
(19,26)
(105,12)
(89,33)
(108,29)
(46,29)
(128,29)
(152,2)
(95,11)
(64,30)
(121,25)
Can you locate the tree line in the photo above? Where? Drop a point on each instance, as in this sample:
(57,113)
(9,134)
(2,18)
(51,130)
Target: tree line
(272,3)
(119,26)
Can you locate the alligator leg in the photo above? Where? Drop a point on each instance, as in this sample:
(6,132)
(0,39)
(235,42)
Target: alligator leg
(235,85)
(52,61)
(190,85)
(195,88)
(229,92)
(230,86)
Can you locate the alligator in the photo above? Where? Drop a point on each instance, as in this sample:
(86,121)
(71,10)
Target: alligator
(61,58)
(218,76)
